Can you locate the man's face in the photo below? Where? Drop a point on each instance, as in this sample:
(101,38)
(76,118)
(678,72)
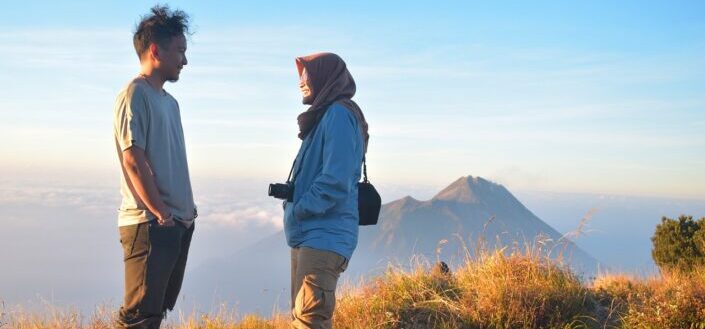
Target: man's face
(173,58)
(305,87)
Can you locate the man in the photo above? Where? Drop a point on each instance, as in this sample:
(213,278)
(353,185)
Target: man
(156,217)
(321,222)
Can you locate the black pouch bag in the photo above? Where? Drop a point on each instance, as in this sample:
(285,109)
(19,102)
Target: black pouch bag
(369,201)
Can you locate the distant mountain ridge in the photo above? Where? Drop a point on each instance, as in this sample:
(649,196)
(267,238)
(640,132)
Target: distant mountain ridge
(470,209)
(446,227)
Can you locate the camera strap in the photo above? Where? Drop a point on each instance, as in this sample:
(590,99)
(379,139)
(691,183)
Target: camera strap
(291,179)
(288,179)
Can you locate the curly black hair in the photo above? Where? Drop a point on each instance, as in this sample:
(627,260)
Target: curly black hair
(159,27)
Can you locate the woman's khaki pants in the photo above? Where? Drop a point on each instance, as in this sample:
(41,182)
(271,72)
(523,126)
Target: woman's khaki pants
(314,276)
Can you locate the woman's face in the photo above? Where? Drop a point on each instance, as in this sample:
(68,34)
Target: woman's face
(304,86)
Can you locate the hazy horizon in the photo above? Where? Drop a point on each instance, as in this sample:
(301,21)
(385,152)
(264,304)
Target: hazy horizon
(70,251)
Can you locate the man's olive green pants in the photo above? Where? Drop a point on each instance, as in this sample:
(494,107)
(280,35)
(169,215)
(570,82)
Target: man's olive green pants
(155,260)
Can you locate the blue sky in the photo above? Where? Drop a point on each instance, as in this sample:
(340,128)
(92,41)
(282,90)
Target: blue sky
(599,97)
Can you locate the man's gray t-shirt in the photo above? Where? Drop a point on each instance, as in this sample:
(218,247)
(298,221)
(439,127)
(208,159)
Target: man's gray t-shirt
(151,120)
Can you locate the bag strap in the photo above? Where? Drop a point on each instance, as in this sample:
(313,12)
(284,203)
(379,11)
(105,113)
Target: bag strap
(364,169)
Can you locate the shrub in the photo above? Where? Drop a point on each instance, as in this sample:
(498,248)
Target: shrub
(674,244)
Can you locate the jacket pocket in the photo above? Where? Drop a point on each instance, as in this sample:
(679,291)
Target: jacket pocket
(291,224)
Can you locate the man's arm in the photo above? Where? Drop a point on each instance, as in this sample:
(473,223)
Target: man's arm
(137,169)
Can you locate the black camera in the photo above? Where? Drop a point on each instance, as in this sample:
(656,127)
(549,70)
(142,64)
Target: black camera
(282,191)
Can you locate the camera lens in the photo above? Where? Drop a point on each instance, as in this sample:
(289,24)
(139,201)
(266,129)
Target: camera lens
(279,191)
(270,192)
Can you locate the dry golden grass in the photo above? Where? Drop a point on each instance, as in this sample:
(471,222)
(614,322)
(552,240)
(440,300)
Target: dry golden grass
(492,290)
(54,318)
(674,300)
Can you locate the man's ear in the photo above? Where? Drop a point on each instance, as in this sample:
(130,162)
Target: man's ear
(154,51)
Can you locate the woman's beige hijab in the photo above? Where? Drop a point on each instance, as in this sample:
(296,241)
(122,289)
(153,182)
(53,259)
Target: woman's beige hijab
(330,82)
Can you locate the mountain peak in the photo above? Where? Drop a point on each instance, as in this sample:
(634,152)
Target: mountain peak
(467,189)
(404,202)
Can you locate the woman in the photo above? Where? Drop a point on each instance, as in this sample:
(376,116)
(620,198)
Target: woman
(321,222)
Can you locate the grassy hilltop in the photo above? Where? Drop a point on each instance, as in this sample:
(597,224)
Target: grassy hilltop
(494,290)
